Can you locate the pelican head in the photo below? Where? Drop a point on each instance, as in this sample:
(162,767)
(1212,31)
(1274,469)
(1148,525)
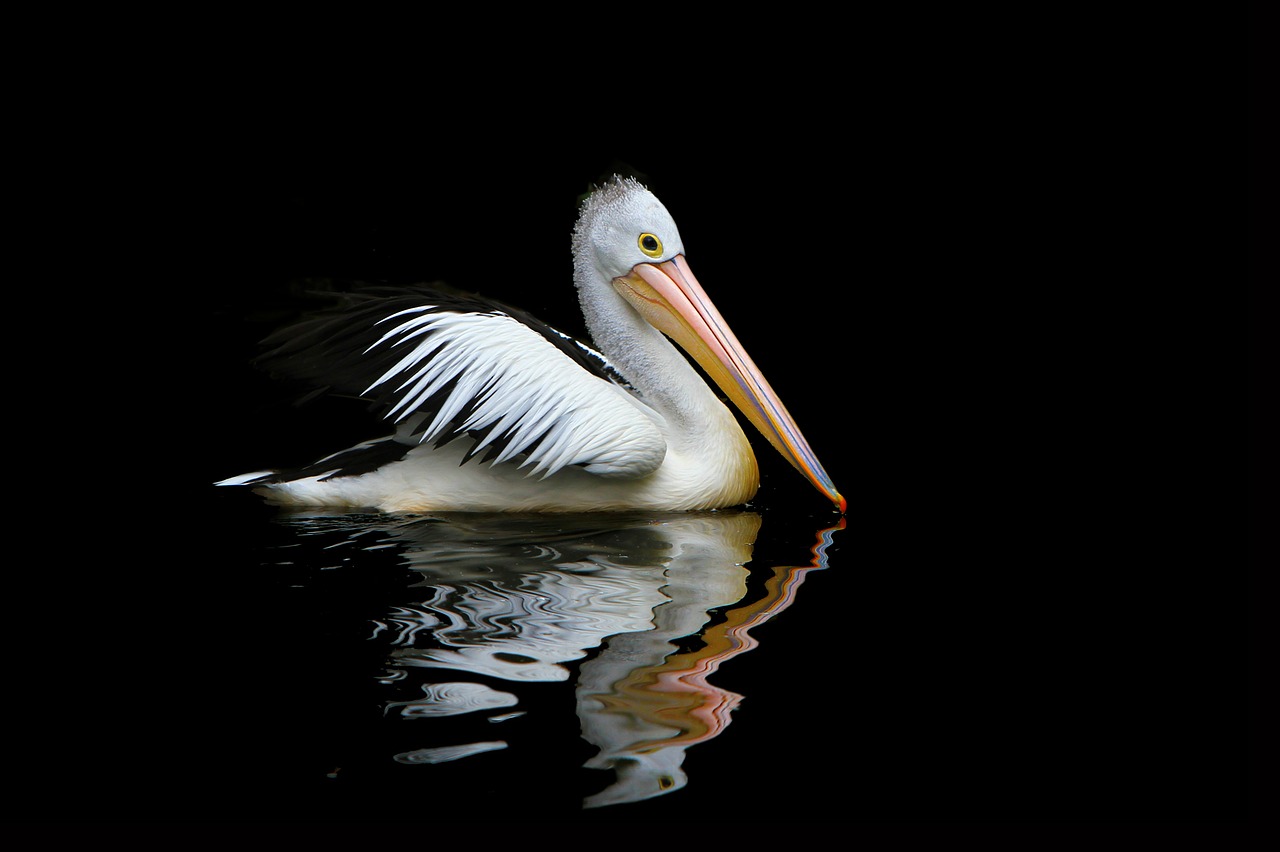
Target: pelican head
(627,249)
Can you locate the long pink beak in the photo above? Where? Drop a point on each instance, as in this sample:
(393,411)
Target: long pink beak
(672,300)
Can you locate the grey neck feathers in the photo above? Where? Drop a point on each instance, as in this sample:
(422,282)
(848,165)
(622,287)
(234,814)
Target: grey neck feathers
(649,361)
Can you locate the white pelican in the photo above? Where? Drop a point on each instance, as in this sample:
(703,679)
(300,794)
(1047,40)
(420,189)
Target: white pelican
(495,411)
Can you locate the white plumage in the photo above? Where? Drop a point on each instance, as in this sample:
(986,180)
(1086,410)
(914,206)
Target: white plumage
(500,367)
(494,411)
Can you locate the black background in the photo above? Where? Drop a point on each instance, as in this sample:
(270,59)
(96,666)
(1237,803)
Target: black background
(957,282)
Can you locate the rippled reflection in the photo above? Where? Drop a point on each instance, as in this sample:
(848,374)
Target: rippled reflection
(639,612)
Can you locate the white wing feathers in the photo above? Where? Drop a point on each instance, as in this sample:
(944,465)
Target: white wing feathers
(491,375)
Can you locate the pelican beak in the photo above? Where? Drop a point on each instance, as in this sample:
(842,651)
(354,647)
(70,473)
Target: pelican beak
(671,299)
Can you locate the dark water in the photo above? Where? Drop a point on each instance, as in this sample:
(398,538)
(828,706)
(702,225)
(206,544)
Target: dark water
(585,667)
(544,666)
(739,666)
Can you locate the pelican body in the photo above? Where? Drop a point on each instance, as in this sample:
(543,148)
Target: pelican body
(496,411)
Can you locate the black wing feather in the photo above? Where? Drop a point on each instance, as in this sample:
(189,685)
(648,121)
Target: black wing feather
(329,350)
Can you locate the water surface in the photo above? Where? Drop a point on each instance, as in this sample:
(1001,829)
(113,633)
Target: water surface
(595,635)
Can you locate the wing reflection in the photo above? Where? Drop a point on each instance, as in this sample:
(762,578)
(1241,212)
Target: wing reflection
(640,611)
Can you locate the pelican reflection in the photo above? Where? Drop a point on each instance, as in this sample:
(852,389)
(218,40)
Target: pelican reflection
(639,611)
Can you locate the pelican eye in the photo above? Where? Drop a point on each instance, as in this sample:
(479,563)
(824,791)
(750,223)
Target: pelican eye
(650,245)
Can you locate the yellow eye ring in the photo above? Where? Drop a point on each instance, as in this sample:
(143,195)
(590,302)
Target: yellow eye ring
(650,245)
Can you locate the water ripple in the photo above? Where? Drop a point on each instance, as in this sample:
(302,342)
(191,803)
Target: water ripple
(452,699)
(639,612)
(444,754)
(525,628)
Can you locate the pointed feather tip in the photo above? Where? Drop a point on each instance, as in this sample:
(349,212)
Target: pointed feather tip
(246,478)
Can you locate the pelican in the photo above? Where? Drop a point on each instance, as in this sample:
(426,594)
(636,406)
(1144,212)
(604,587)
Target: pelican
(496,411)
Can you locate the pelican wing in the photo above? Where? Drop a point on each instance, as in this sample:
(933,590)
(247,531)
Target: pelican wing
(441,365)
